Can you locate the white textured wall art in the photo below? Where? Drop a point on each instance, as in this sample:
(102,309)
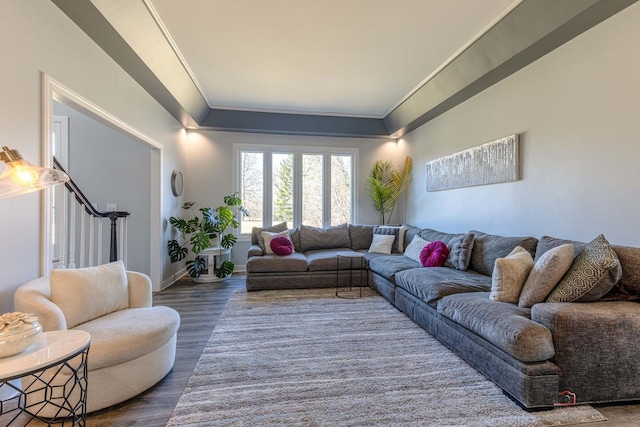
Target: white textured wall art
(490,163)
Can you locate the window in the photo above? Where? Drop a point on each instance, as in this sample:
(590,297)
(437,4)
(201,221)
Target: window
(312,186)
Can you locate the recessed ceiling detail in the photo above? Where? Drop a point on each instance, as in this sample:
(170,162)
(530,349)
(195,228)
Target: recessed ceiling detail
(335,68)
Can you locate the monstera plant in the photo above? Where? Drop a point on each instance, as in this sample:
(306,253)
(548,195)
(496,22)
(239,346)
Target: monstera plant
(386,183)
(198,230)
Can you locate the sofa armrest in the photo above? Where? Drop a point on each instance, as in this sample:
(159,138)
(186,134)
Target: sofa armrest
(596,347)
(255,250)
(139,290)
(35,297)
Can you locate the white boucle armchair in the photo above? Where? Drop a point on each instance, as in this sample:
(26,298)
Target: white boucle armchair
(132,343)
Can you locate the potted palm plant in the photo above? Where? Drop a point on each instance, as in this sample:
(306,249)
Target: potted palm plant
(385,185)
(198,231)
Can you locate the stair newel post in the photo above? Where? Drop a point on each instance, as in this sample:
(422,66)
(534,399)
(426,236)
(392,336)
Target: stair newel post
(113,245)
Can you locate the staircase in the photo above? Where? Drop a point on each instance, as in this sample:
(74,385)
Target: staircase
(79,230)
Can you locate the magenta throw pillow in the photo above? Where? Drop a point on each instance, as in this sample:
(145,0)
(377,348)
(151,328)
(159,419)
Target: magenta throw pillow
(434,254)
(281,245)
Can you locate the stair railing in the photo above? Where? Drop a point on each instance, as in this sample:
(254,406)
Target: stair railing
(77,232)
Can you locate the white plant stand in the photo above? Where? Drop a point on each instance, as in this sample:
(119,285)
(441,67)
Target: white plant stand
(215,255)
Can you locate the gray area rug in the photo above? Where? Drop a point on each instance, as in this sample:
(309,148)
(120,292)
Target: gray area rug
(307,358)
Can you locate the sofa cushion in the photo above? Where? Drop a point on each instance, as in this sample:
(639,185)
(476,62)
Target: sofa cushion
(137,330)
(434,254)
(256,231)
(281,245)
(545,275)
(510,274)
(294,235)
(460,246)
(296,262)
(431,284)
(388,265)
(487,248)
(327,260)
(87,293)
(315,238)
(388,231)
(505,325)
(592,274)
(415,248)
(360,236)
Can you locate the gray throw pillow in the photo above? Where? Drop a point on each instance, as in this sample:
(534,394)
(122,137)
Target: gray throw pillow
(592,274)
(545,275)
(314,238)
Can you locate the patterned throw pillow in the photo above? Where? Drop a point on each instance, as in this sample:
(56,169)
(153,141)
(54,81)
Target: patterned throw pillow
(281,245)
(434,254)
(510,274)
(415,247)
(545,275)
(593,273)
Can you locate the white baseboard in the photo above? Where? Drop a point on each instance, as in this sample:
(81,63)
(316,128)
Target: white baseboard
(172,279)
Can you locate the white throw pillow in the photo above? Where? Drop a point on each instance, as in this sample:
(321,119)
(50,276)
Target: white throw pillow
(382,243)
(85,294)
(415,247)
(267,236)
(510,274)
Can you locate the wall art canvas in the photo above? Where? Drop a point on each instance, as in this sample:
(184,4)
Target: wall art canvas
(491,163)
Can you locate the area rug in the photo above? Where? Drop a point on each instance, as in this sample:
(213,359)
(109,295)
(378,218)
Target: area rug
(307,358)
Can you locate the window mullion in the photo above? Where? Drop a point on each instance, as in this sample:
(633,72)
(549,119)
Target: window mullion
(267,190)
(326,194)
(297,189)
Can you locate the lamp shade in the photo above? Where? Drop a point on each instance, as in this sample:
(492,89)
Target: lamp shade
(21,177)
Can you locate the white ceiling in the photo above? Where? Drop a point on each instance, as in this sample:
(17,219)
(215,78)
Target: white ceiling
(344,57)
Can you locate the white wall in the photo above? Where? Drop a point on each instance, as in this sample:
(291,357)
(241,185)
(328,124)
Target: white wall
(577,110)
(36,37)
(122,176)
(210,171)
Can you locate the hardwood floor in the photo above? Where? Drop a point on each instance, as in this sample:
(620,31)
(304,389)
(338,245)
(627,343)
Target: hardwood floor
(200,306)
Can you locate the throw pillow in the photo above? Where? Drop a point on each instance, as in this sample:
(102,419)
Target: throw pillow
(85,294)
(415,247)
(389,231)
(593,273)
(434,254)
(281,245)
(545,275)
(267,236)
(256,232)
(382,243)
(510,274)
(460,248)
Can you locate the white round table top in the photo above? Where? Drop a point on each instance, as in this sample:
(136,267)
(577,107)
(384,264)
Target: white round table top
(48,349)
(350,254)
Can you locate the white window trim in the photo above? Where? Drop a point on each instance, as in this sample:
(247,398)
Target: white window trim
(297,152)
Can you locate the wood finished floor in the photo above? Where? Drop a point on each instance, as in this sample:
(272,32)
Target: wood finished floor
(200,306)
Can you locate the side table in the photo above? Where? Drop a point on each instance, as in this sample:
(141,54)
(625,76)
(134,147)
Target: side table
(53,373)
(351,256)
(214,256)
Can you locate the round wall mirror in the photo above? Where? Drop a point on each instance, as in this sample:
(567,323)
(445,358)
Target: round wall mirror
(176,183)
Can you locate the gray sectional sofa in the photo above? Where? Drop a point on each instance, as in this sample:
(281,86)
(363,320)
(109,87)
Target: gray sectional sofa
(534,354)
